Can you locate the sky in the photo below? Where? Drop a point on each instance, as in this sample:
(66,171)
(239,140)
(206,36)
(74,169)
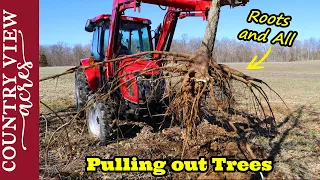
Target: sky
(64,20)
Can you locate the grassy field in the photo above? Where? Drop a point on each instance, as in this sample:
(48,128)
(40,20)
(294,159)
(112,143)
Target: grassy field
(297,82)
(57,93)
(296,150)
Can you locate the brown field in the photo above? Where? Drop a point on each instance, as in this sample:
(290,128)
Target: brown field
(295,150)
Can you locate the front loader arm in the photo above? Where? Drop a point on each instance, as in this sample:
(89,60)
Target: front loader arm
(176,9)
(167,30)
(192,5)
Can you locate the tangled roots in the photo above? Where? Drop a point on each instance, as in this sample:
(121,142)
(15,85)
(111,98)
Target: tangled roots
(198,88)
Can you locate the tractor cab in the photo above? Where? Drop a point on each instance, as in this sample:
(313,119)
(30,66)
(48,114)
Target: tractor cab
(131,37)
(134,36)
(140,86)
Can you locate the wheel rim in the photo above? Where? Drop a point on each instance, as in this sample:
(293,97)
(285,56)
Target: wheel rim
(93,122)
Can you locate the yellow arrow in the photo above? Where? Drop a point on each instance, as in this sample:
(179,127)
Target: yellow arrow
(254,66)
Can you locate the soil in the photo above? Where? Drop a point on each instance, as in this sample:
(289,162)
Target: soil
(145,141)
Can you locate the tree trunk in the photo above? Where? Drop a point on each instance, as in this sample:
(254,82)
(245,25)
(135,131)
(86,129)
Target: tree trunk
(209,37)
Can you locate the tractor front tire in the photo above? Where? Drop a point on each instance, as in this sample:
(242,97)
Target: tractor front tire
(81,90)
(100,117)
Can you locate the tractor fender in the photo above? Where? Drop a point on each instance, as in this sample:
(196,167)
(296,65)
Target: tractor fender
(92,74)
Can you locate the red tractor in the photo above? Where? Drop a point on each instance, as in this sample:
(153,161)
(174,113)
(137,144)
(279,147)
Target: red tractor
(117,35)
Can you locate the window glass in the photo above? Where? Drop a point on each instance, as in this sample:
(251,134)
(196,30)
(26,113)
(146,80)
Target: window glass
(125,36)
(106,37)
(140,40)
(135,37)
(145,39)
(135,43)
(95,43)
(99,41)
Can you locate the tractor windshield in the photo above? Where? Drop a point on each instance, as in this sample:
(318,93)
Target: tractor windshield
(135,37)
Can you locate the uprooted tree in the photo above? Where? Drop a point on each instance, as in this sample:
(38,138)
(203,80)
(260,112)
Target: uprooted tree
(201,87)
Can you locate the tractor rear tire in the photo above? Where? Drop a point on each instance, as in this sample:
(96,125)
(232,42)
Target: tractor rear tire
(100,117)
(81,90)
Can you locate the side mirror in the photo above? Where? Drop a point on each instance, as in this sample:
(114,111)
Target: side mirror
(157,35)
(89,26)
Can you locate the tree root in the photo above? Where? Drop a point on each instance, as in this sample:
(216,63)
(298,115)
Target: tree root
(204,84)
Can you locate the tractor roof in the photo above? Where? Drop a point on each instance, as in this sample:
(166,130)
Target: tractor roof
(124,18)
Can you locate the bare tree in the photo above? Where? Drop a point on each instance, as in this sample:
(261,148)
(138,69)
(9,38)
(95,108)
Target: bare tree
(211,29)
(79,52)
(226,50)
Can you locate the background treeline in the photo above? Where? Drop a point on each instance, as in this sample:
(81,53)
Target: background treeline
(226,50)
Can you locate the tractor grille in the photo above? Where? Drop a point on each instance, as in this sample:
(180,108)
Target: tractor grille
(150,88)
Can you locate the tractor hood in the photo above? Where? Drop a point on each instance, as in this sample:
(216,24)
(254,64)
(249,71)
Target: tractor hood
(140,80)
